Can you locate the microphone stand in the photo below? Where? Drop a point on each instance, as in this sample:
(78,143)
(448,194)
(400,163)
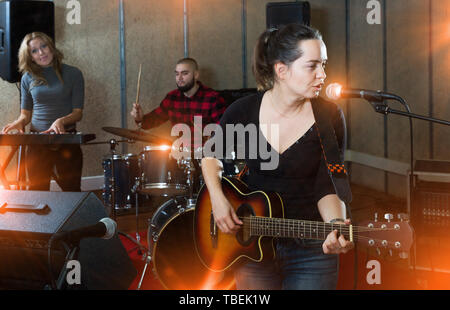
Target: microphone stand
(383,108)
(73,251)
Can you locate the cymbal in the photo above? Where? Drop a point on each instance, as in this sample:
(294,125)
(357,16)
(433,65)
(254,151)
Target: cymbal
(137,135)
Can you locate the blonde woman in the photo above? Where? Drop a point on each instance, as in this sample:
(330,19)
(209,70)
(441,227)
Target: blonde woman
(52,100)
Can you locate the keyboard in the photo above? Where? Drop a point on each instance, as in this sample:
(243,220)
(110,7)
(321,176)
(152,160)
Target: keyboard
(39,138)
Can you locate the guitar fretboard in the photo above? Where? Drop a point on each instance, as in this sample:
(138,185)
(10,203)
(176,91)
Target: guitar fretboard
(290,228)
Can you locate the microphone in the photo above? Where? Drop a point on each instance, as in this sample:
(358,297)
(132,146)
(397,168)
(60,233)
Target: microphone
(105,229)
(335,91)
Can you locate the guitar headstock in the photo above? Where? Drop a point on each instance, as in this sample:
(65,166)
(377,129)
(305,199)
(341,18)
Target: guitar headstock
(386,235)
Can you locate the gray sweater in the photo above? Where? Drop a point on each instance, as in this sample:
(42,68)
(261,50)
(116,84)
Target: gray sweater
(54,100)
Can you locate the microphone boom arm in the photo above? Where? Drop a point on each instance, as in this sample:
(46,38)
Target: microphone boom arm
(383,108)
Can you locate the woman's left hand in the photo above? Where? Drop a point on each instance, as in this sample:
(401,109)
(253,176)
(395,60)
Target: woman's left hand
(336,245)
(57,127)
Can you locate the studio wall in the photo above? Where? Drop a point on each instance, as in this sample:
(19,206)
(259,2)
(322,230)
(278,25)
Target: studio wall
(407,53)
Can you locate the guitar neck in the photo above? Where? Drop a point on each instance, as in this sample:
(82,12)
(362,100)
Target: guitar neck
(290,228)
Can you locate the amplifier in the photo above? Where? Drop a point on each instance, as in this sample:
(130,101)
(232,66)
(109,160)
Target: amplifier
(430,205)
(429,210)
(28,219)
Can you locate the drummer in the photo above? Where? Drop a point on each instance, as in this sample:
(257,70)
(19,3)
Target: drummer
(191,98)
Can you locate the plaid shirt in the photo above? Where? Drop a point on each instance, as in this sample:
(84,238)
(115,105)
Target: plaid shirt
(178,108)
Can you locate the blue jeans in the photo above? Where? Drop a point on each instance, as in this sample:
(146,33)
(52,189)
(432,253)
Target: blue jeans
(299,265)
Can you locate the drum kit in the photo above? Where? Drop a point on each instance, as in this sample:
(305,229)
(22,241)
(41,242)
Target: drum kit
(156,172)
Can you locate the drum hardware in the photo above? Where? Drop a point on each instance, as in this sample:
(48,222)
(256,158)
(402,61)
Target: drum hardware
(135,190)
(112,151)
(169,210)
(137,135)
(119,172)
(182,205)
(162,174)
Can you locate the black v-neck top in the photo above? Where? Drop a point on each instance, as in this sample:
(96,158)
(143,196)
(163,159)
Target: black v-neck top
(299,174)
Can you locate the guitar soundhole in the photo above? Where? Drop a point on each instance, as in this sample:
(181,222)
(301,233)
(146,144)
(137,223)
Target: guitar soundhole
(243,236)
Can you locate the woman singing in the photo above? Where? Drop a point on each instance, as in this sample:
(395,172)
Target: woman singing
(289,68)
(52,99)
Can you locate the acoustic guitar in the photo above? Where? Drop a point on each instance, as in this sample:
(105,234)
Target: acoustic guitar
(262,214)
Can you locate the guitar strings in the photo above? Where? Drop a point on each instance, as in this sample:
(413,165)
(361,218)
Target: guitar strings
(344,227)
(318,228)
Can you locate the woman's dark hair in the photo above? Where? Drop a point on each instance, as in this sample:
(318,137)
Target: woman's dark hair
(279,45)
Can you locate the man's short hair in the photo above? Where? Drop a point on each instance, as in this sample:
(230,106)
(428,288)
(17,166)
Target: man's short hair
(190,61)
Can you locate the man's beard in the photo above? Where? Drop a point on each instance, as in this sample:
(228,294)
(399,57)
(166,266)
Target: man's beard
(186,87)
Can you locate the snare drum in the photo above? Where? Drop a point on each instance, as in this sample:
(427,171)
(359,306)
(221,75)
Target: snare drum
(175,261)
(161,173)
(126,169)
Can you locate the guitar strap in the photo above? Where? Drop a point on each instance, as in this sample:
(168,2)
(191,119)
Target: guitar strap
(242,173)
(330,149)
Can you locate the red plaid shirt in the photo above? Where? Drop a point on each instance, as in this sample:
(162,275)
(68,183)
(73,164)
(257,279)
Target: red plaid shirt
(178,108)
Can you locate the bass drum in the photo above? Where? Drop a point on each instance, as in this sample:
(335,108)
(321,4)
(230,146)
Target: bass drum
(175,260)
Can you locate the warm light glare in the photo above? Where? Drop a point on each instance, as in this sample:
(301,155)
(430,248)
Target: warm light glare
(333,91)
(338,90)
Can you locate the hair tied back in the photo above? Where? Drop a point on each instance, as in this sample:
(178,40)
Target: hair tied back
(270,33)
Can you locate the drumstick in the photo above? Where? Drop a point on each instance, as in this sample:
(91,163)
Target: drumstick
(139,84)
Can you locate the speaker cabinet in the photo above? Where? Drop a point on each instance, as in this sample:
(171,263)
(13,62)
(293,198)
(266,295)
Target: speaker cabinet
(17,19)
(282,13)
(24,238)
(430,216)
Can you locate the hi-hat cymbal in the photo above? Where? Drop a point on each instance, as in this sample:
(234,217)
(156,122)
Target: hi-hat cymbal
(137,135)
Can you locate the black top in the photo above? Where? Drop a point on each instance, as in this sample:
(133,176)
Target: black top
(299,174)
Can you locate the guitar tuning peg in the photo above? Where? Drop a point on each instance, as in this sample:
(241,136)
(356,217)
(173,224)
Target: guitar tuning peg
(388,217)
(403,255)
(376,216)
(403,217)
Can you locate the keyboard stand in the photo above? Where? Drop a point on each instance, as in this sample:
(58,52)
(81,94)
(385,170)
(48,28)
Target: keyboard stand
(4,180)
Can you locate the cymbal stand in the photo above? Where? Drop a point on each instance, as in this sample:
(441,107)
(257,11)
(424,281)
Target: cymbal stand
(190,171)
(112,151)
(148,256)
(148,259)
(135,190)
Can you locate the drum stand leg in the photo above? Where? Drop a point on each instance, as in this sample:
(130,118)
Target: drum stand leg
(147,262)
(147,258)
(136,191)
(138,237)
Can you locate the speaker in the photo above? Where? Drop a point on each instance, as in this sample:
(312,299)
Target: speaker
(282,13)
(18,18)
(24,239)
(430,208)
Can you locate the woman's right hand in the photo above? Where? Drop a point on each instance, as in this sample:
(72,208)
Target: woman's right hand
(224,215)
(137,112)
(17,125)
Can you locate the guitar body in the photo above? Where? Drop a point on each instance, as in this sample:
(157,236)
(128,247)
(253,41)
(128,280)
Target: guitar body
(263,219)
(219,251)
